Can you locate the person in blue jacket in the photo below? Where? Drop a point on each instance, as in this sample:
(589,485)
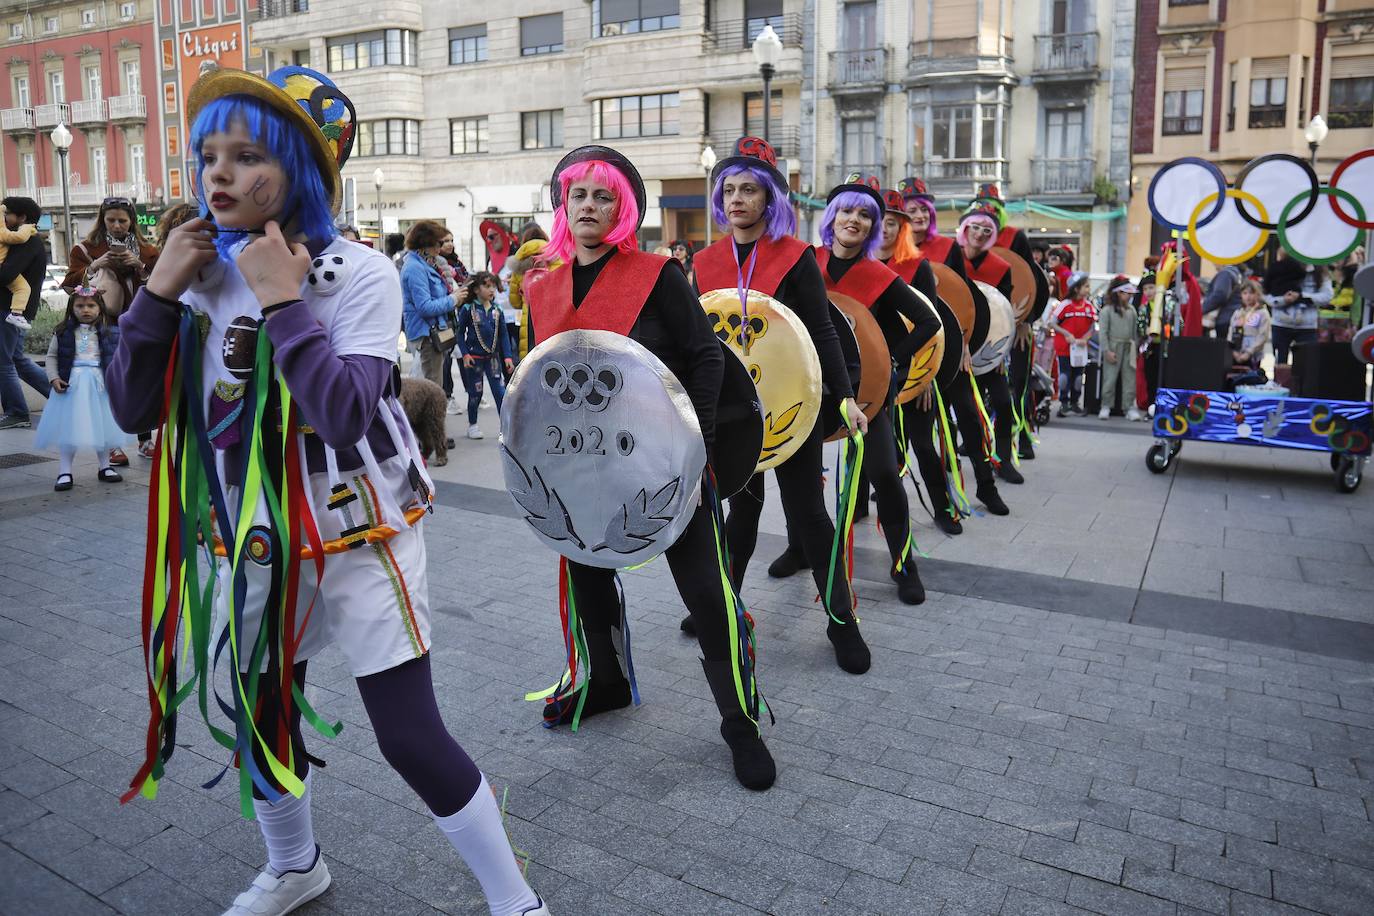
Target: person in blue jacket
(427,302)
(484,343)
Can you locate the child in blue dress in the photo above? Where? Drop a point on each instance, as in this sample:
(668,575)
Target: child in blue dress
(78,415)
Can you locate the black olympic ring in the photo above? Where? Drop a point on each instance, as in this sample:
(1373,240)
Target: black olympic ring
(579,385)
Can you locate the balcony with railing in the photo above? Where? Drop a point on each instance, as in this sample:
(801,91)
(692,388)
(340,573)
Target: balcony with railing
(137,191)
(953,176)
(128,107)
(858,71)
(89,111)
(1063,176)
(936,58)
(732,35)
(17,120)
(275,9)
(1066,57)
(52,115)
(78,194)
(786,140)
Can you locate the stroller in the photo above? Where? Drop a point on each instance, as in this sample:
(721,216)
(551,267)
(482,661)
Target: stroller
(1041,394)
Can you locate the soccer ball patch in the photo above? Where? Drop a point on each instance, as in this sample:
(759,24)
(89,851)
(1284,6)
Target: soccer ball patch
(327,274)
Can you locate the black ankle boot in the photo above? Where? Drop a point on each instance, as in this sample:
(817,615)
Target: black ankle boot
(910,589)
(851,652)
(1009,473)
(789,563)
(989,497)
(1027,450)
(688,626)
(754,767)
(948,524)
(602,696)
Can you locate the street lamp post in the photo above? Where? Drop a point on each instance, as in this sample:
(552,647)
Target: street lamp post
(377,179)
(767,50)
(708,162)
(1315,133)
(62,142)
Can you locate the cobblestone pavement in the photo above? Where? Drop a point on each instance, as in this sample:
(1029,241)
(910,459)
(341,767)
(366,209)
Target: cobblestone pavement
(1020,746)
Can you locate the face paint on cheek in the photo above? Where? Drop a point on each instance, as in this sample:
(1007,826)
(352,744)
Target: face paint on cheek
(264,194)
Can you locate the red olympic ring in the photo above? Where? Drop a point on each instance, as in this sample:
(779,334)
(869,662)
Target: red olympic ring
(1367,350)
(1355,441)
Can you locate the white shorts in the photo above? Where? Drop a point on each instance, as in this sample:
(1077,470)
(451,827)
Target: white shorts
(372,601)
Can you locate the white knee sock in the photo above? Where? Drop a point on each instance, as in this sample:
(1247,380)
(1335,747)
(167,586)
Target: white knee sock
(288,831)
(478,835)
(64,462)
(102,458)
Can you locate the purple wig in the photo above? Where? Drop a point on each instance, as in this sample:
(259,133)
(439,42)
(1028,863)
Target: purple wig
(778,218)
(850,200)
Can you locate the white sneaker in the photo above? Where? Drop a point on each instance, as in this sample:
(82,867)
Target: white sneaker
(475,432)
(18,320)
(277,895)
(541,910)
(1134,415)
(453,407)
(1104,413)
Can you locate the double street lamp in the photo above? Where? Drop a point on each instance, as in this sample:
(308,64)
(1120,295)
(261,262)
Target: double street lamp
(767,51)
(62,142)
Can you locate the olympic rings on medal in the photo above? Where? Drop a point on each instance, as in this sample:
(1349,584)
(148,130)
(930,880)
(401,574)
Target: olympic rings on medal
(579,385)
(1272,179)
(1177,186)
(1325,237)
(1232,228)
(1356,175)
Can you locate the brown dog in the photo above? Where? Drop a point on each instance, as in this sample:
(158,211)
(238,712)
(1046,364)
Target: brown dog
(424,404)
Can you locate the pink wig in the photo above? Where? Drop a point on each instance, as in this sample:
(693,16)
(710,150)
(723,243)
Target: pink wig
(622,234)
(933,227)
(987,219)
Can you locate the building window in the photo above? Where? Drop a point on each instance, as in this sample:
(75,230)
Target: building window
(390,137)
(467,45)
(541,34)
(93,88)
(1269,92)
(467,136)
(300,57)
(21,92)
(753,114)
(133,77)
(57,87)
(16,30)
(1183,97)
(541,129)
(29,170)
(1064,133)
(1351,97)
(952,132)
(626,17)
(87,18)
(51,24)
(138,165)
(636,116)
(388,48)
(99,169)
(858,145)
(128,10)
(1231,101)
(760,13)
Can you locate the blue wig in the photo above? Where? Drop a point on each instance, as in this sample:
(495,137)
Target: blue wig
(850,200)
(778,218)
(307,203)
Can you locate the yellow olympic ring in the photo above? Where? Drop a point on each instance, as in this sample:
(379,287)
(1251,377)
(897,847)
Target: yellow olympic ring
(1207,202)
(1174,424)
(1320,415)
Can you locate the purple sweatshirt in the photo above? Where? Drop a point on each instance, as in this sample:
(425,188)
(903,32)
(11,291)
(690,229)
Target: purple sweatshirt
(338,396)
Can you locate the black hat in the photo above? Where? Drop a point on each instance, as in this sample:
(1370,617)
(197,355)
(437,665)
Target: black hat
(856,182)
(757,153)
(915,188)
(612,158)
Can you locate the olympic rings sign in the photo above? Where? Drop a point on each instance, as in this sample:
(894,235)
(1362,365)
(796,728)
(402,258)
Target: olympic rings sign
(1337,431)
(1178,421)
(579,385)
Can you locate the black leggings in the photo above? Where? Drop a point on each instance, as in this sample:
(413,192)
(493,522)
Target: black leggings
(692,561)
(803,505)
(959,395)
(410,734)
(1020,387)
(997,399)
(920,434)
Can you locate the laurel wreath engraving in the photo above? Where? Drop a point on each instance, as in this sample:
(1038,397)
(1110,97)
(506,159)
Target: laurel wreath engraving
(776,433)
(546,512)
(990,354)
(920,368)
(632,528)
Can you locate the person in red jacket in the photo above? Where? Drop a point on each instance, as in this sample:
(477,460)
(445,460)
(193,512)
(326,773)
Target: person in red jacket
(1073,325)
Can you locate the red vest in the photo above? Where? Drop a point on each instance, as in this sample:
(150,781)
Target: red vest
(937,248)
(1007,236)
(991,271)
(715,264)
(612,304)
(907,269)
(864,282)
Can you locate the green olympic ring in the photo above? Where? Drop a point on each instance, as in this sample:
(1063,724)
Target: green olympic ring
(1356,238)
(1197,406)
(1353,439)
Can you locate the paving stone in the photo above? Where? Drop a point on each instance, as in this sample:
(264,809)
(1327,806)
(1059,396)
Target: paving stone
(1176,832)
(1016,872)
(1225,871)
(30,888)
(1172,885)
(1080,859)
(1127,845)
(1111,900)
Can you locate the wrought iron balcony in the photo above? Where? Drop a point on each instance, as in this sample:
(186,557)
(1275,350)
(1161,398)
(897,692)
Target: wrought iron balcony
(1063,176)
(954,174)
(17,119)
(273,9)
(786,140)
(858,70)
(89,111)
(1067,56)
(52,115)
(128,107)
(733,35)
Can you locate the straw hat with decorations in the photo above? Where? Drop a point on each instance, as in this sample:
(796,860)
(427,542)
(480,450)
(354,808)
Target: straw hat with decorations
(306,98)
